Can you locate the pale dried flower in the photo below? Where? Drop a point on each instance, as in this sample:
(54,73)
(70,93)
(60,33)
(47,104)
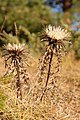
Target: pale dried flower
(57,33)
(14,47)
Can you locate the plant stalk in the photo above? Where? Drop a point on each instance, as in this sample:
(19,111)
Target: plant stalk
(48,74)
(18,84)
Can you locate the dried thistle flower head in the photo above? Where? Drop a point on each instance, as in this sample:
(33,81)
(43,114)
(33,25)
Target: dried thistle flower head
(15,55)
(17,49)
(56,33)
(14,52)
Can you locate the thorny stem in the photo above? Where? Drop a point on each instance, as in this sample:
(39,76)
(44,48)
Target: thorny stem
(48,74)
(18,84)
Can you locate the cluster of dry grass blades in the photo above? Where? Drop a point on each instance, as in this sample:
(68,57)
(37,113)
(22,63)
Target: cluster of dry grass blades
(44,93)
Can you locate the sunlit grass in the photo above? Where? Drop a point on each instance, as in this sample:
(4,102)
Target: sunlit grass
(6,79)
(2,99)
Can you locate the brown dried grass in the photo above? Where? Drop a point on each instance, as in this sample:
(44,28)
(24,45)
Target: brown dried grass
(61,100)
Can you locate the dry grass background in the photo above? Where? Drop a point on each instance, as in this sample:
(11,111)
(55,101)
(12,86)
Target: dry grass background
(60,102)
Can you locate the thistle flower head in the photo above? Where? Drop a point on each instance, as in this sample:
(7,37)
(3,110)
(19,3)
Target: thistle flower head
(14,53)
(17,49)
(14,47)
(57,33)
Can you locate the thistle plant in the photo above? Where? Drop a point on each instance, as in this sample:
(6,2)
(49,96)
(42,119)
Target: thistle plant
(56,38)
(14,62)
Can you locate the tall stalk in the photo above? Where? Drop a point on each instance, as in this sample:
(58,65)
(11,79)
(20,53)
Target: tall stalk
(56,37)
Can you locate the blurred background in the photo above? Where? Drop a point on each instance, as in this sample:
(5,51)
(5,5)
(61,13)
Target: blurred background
(23,21)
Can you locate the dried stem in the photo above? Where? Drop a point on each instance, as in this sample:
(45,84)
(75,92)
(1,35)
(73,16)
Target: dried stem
(48,74)
(18,84)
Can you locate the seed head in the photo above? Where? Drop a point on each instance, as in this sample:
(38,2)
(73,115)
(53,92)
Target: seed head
(14,53)
(57,33)
(14,47)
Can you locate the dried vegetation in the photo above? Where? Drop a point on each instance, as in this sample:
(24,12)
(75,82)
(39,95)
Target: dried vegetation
(58,91)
